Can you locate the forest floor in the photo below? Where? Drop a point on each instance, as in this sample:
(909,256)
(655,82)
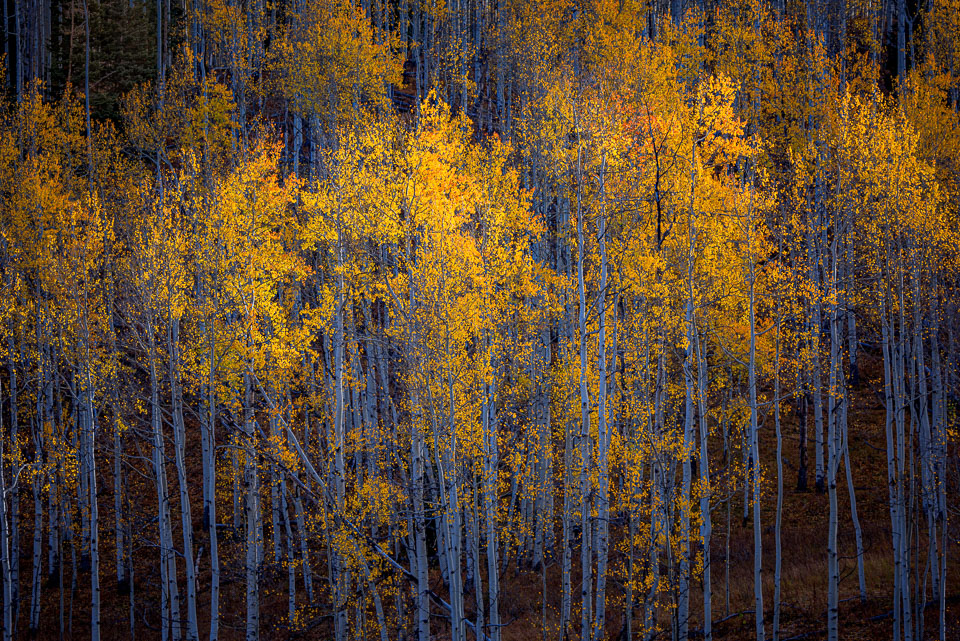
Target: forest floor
(803,613)
(525,615)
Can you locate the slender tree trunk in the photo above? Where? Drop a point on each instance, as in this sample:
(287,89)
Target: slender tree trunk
(208,445)
(706,520)
(5,537)
(586,446)
(180,446)
(755,453)
(778,554)
(169,609)
(419,533)
(833,460)
(691,396)
(893,479)
(858,532)
(603,430)
(251,481)
(13,520)
(490,505)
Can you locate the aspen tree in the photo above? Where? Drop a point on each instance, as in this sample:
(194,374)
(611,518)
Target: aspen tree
(834,445)
(754,426)
(778,552)
(5,563)
(432,332)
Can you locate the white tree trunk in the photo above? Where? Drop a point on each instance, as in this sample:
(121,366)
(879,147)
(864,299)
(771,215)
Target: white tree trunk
(755,454)
(179,444)
(706,522)
(251,481)
(603,430)
(833,459)
(585,441)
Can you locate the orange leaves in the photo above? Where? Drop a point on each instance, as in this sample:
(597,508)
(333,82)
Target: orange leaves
(464,205)
(719,129)
(440,165)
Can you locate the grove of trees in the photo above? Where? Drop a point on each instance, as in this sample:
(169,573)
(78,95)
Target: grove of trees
(479,319)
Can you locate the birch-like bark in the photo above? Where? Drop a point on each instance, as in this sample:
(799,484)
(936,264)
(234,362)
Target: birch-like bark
(88,465)
(5,564)
(813,256)
(778,553)
(15,357)
(857,530)
(490,504)
(893,478)
(904,451)
(690,398)
(939,429)
(251,494)
(566,341)
(603,430)
(419,525)
(706,520)
(208,451)
(290,555)
(179,444)
(586,446)
(755,450)
(169,598)
(658,490)
(339,573)
(833,458)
